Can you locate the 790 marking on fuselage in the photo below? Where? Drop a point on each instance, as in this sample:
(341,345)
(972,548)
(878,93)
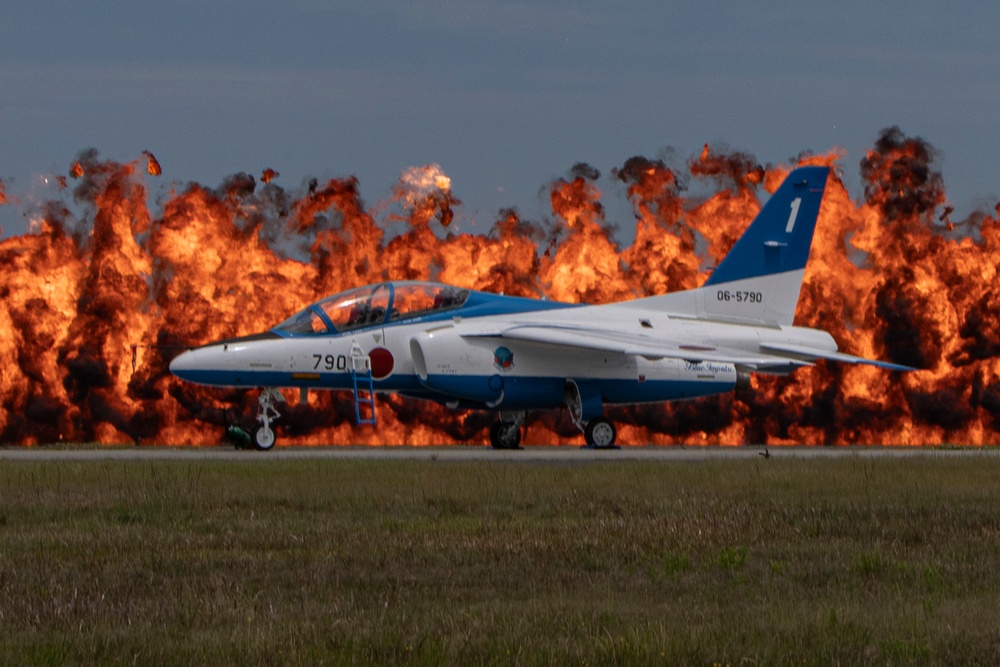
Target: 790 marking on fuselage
(330,362)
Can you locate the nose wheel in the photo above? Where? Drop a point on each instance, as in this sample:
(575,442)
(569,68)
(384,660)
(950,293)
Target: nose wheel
(263,436)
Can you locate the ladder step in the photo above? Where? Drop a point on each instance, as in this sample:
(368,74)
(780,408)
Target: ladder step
(363,395)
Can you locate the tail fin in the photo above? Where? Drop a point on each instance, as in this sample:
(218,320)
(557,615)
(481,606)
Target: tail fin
(759,281)
(778,239)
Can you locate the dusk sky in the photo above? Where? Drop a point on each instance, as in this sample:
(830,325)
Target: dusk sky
(504,96)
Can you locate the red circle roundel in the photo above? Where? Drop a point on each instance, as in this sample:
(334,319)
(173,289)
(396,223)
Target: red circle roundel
(382,362)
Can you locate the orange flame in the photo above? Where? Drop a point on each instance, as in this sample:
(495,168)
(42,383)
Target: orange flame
(152,166)
(87,289)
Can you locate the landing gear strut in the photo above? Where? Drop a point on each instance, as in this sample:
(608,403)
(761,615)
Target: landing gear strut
(263,436)
(506,431)
(585,406)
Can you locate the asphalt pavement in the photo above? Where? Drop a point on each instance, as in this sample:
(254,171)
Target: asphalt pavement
(537,454)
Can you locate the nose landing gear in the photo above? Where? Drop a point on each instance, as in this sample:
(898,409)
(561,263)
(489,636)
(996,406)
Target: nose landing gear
(264,437)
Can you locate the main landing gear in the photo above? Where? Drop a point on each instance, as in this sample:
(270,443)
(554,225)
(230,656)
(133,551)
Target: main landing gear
(600,433)
(506,431)
(263,436)
(585,408)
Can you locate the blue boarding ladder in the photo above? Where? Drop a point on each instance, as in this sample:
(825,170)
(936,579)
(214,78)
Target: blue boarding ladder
(364,388)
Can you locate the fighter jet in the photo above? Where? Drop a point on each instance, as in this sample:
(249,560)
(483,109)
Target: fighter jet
(476,350)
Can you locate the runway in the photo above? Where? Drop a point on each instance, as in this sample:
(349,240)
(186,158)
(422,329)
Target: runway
(567,454)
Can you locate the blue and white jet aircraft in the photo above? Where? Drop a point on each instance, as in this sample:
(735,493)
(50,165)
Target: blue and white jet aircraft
(468,349)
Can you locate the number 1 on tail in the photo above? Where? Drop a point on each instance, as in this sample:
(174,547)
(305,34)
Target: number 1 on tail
(794,214)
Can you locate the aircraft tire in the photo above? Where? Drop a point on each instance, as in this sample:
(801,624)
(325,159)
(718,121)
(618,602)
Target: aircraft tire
(505,435)
(600,433)
(264,438)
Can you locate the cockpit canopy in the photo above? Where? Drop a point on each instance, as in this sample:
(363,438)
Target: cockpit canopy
(373,305)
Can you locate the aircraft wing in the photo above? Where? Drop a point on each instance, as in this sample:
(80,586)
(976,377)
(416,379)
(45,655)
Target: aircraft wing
(803,351)
(771,355)
(606,340)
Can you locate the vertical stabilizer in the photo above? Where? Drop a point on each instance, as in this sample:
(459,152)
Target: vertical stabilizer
(778,239)
(759,281)
(760,278)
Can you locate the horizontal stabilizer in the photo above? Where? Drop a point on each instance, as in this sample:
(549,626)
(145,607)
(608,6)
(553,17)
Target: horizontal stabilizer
(810,353)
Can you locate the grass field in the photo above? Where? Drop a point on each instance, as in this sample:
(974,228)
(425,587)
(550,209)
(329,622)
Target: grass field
(761,562)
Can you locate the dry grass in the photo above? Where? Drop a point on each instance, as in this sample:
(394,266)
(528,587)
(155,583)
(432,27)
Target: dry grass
(270,562)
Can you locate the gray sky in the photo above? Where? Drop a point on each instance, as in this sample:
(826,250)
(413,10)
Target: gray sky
(504,96)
